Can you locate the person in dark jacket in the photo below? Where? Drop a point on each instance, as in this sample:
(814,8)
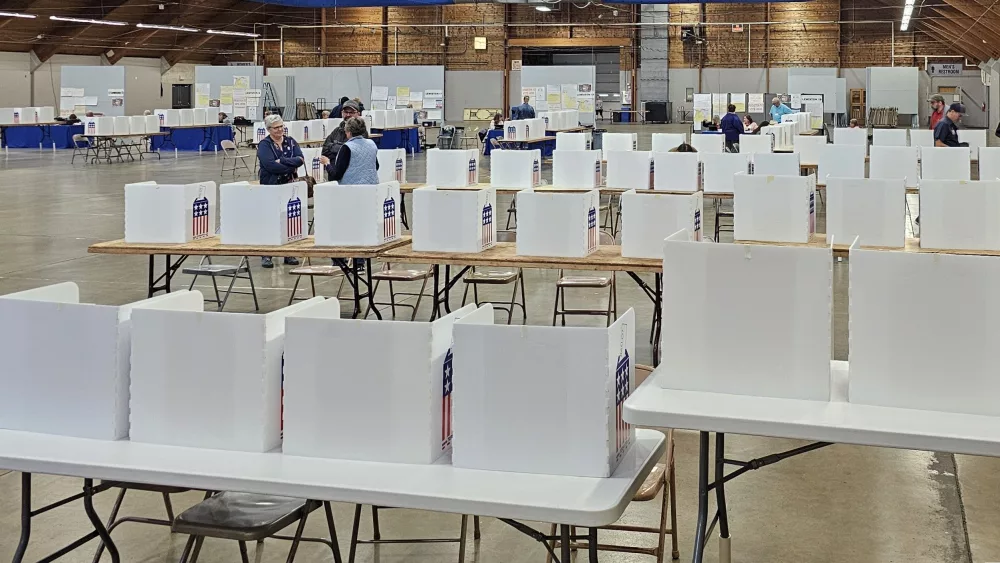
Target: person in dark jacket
(335,112)
(279,157)
(732,127)
(360,165)
(946,130)
(338,136)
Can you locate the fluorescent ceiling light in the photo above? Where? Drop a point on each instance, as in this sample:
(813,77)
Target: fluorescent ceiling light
(86,21)
(904,25)
(16,15)
(543,8)
(909,2)
(907,11)
(236,33)
(166,27)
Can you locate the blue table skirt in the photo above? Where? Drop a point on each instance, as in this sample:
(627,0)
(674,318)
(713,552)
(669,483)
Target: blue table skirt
(193,139)
(546,146)
(395,139)
(29,137)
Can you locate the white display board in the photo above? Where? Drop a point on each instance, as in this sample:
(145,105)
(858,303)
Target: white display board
(555,77)
(872,209)
(409,79)
(945,163)
(945,220)
(895,162)
(896,87)
(832,88)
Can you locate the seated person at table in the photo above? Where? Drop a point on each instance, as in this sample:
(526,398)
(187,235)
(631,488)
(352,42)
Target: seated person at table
(683,147)
(279,157)
(711,125)
(71,120)
(90,114)
(223,118)
(497,126)
(748,125)
(338,137)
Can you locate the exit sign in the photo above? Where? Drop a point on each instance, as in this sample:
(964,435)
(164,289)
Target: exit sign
(737,28)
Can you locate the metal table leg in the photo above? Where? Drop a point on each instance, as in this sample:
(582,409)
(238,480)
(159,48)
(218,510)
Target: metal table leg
(102,532)
(169,270)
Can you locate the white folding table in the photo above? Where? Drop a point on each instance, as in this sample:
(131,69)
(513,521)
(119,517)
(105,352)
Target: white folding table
(836,421)
(569,501)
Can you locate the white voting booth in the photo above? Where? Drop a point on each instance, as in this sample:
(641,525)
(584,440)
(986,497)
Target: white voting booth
(775,164)
(707,143)
(391,165)
(720,168)
(137,124)
(99,125)
(619,142)
(945,218)
(945,163)
(848,136)
(921,138)
(976,139)
(889,138)
(187,117)
(570,382)
(809,147)
(873,210)
(398,412)
(774,208)
(572,142)
(454,220)
(841,161)
(751,144)
(452,168)
(682,171)
(767,306)
(665,142)
(515,169)
(558,223)
(172,117)
(938,356)
(313,165)
(200,116)
(66,363)
(576,169)
(169,213)
(208,379)
(122,125)
(649,217)
(263,215)
(366,215)
(989,163)
(891,162)
(152,123)
(630,170)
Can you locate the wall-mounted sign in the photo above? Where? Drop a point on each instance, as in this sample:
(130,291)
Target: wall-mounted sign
(515,64)
(479,43)
(948,69)
(737,28)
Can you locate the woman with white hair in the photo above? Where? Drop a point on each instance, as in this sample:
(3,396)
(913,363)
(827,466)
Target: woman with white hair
(279,157)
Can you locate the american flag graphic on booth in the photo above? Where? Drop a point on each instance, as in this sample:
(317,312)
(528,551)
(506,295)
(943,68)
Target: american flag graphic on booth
(536,173)
(389,218)
(487,225)
(286,130)
(261,134)
(17,117)
(697,224)
(199,218)
(473,172)
(305,133)
(293,218)
(282,427)
(597,173)
(652,172)
(91,128)
(622,391)
(399,170)
(163,117)
(591,229)
(812,212)
(446,387)
(316,170)
(511,133)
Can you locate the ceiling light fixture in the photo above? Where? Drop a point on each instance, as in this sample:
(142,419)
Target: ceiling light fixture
(167,27)
(543,8)
(17,15)
(86,21)
(236,33)
(907,12)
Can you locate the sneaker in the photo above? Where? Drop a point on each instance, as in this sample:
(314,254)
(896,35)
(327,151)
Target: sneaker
(292,261)
(266,262)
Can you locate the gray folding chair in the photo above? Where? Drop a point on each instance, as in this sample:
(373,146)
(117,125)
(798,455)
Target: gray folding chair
(231,153)
(587,282)
(494,276)
(113,520)
(377,534)
(81,147)
(241,271)
(388,274)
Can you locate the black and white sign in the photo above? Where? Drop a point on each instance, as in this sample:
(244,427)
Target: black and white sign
(950,69)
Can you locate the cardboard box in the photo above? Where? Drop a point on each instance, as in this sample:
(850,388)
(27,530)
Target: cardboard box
(848,136)
(517,381)
(452,168)
(168,117)
(719,169)
(872,209)
(809,148)
(890,138)
(707,143)
(892,162)
(169,213)
(630,170)
(454,220)
(515,169)
(618,142)
(752,144)
(194,370)
(399,411)
(7,116)
(976,139)
(650,217)
(989,163)
(122,125)
(391,165)
(576,169)
(945,220)
(264,215)
(553,223)
(356,215)
(774,208)
(841,161)
(572,142)
(665,142)
(945,163)
(25,115)
(767,306)
(45,114)
(923,331)
(516,130)
(137,124)
(682,171)
(66,363)
(187,116)
(775,164)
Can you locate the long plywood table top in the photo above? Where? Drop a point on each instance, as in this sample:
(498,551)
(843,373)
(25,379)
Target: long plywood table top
(607,258)
(842,248)
(213,246)
(409,187)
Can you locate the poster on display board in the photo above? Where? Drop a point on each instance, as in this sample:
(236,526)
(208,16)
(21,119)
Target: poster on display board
(201,94)
(569,94)
(380,93)
(813,103)
(391,103)
(740,101)
(719,103)
(586,88)
(416,96)
(402,93)
(755,103)
(241,82)
(702,109)
(585,102)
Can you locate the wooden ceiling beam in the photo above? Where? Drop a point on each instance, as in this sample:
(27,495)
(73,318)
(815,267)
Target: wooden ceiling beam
(949,34)
(194,14)
(66,33)
(191,44)
(978,22)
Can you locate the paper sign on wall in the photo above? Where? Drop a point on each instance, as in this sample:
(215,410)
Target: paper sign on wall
(89,100)
(201,95)
(416,96)
(226,95)
(254,93)
(116,93)
(378,104)
(391,103)
(380,93)
(740,101)
(719,102)
(433,93)
(585,102)
(702,109)
(72,92)
(241,82)
(67,103)
(402,92)
(569,93)
(755,103)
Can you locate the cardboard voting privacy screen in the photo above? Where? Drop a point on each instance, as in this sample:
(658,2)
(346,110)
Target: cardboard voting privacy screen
(264,215)
(921,138)
(157,213)
(809,147)
(719,170)
(618,142)
(665,142)
(454,220)
(774,208)
(841,161)
(397,409)
(557,223)
(576,169)
(517,130)
(66,366)
(514,381)
(707,143)
(775,164)
(889,138)
(392,165)
(515,169)
(945,218)
(989,163)
(945,163)
(873,210)
(571,142)
(924,331)
(356,215)
(452,168)
(630,170)
(195,371)
(751,144)
(976,139)
(767,306)
(681,171)
(168,117)
(895,162)
(649,217)
(848,136)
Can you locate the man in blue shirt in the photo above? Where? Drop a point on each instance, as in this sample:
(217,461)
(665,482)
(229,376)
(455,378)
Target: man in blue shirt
(337,110)
(946,130)
(778,109)
(525,111)
(732,127)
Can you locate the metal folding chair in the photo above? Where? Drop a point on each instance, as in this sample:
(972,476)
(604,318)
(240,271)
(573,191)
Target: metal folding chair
(387,274)
(492,276)
(81,146)
(587,282)
(377,534)
(231,152)
(241,270)
(113,520)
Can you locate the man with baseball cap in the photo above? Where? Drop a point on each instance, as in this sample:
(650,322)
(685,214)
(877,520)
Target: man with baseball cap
(937,109)
(337,137)
(946,131)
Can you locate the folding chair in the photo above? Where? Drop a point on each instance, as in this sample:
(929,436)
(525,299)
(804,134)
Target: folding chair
(114,521)
(587,282)
(81,146)
(312,272)
(722,213)
(231,152)
(389,275)
(241,270)
(477,277)
(377,534)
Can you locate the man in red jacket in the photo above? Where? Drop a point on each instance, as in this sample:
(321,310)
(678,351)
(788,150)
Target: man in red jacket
(937,109)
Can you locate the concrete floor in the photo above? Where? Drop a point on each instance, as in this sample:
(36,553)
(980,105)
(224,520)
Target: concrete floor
(838,504)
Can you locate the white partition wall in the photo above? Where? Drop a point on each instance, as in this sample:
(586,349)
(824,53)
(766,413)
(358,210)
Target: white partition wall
(945,218)
(572,141)
(848,136)
(774,208)
(707,143)
(889,138)
(618,142)
(776,164)
(890,162)
(975,137)
(767,307)
(649,217)
(989,163)
(665,142)
(945,163)
(872,209)
(558,223)
(841,161)
(751,144)
(719,169)
(809,147)
(682,171)
(576,169)
(630,170)
(921,138)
